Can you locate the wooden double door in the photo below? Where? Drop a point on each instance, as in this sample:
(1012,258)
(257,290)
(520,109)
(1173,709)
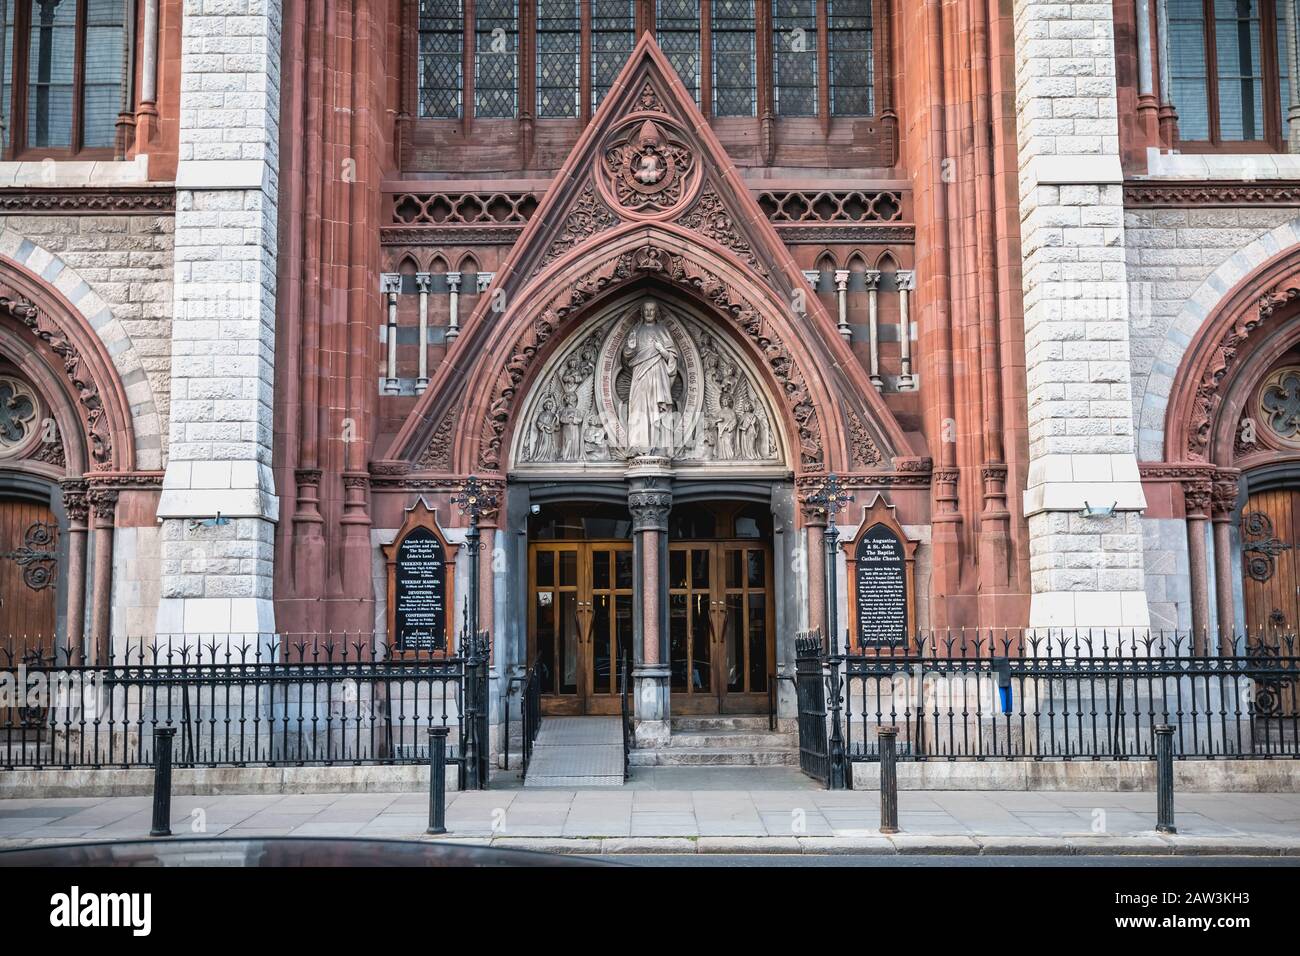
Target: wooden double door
(721,648)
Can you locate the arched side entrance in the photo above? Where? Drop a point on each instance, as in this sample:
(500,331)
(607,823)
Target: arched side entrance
(66,448)
(1233,445)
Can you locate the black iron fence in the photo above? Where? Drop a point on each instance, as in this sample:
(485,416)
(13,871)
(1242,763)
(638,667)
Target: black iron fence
(810,694)
(530,714)
(625,710)
(242,700)
(1079,695)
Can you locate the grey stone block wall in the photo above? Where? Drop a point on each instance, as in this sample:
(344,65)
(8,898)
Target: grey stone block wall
(1169,591)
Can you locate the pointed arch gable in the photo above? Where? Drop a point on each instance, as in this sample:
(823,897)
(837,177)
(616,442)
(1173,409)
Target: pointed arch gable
(691,224)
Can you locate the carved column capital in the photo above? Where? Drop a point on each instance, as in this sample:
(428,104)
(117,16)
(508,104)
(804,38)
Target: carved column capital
(423,281)
(1196,497)
(453,281)
(75,504)
(103,504)
(905,279)
(650,499)
(390,283)
(872,279)
(842,279)
(1223,503)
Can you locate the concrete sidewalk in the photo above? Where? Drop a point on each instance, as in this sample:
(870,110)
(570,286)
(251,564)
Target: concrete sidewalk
(763,818)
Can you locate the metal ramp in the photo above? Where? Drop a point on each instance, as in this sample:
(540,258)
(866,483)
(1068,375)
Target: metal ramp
(573,752)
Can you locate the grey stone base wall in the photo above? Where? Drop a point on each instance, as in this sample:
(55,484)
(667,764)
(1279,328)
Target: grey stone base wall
(1190,776)
(217,781)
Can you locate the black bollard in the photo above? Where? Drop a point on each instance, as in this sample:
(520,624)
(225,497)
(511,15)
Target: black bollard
(888,737)
(1165,779)
(437,780)
(162,781)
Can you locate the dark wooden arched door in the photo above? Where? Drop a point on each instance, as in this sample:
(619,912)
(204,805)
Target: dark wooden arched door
(28,576)
(1270,532)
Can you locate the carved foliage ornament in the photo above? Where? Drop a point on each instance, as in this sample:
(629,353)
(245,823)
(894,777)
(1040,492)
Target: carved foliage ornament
(649,260)
(710,217)
(75,367)
(588,217)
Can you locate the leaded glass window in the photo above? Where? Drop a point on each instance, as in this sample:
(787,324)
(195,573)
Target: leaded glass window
(51,68)
(849,23)
(678,33)
(613,35)
(1188,67)
(496,57)
(559,35)
(794,56)
(442,31)
(734,71)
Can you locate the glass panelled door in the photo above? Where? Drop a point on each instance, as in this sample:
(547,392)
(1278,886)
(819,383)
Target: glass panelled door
(580,608)
(720,626)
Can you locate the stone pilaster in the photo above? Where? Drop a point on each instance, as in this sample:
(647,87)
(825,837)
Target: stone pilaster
(217,571)
(1084,493)
(649,500)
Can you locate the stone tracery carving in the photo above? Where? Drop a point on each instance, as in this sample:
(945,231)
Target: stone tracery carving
(18,422)
(649,381)
(647,167)
(1279,404)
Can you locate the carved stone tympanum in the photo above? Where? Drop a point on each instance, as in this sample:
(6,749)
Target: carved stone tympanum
(648,380)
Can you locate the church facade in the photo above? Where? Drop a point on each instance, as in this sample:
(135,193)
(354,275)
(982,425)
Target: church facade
(278,277)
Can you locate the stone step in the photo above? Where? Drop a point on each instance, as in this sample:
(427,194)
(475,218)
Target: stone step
(724,724)
(717,740)
(687,757)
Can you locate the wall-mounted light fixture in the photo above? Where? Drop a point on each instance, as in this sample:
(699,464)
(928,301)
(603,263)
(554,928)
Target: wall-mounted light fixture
(1098,511)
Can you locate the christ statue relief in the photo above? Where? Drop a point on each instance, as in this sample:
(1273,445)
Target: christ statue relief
(651,357)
